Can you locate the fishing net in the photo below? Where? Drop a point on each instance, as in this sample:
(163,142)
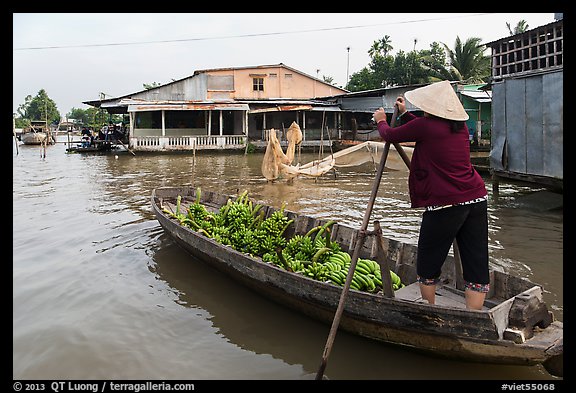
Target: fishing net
(277,164)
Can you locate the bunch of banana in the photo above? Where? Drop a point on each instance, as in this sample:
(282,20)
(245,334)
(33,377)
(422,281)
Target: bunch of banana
(372,269)
(241,224)
(317,271)
(298,266)
(338,264)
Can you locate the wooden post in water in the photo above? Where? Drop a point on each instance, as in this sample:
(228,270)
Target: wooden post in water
(14,133)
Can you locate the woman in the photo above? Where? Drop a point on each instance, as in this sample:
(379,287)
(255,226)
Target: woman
(443,181)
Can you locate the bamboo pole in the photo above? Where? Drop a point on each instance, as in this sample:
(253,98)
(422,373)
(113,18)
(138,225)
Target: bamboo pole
(14,133)
(357,247)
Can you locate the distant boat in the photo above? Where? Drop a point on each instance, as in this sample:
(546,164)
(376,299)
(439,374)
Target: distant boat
(95,147)
(36,134)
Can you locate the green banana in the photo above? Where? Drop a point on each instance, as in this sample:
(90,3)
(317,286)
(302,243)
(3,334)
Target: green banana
(362,279)
(319,253)
(355,286)
(335,277)
(345,256)
(338,259)
(359,282)
(362,269)
(312,231)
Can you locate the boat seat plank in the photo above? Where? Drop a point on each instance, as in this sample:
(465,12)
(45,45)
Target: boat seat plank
(444,297)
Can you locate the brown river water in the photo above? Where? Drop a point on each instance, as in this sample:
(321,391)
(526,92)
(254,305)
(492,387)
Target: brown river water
(101,292)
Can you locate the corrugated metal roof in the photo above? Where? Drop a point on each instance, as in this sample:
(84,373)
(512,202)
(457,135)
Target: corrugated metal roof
(187,107)
(478,95)
(281,108)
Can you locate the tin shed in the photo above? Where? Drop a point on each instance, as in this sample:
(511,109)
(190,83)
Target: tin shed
(528,106)
(527,128)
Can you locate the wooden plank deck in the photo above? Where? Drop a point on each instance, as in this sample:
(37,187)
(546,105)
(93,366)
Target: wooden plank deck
(445,297)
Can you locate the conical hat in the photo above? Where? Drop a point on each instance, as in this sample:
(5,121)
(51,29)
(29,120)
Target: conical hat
(438,99)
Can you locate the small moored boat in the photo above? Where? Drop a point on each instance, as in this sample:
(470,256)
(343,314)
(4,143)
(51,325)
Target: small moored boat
(514,327)
(37,133)
(94,147)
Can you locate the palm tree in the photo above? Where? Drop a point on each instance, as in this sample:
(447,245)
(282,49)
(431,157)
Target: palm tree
(467,61)
(380,47)
(521,27)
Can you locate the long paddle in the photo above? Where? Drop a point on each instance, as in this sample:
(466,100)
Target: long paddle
(126,147)
(357,248)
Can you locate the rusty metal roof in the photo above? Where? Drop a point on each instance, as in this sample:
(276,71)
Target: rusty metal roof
(146,105)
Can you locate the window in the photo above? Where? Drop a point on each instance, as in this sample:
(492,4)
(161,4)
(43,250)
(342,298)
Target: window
(152,119)
(185,119)
(258,84)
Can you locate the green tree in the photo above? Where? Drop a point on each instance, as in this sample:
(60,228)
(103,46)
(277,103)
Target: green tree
(380,47)
(365,79)
(435,63)
(408,68)
(148,86)
(382,68)
(467,61)
(82,116)
(327,79)
(40,107)
(521,27)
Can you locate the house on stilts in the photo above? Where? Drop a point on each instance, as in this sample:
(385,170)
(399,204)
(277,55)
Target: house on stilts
(226,108)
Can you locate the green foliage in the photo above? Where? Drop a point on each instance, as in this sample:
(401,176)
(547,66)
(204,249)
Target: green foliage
(520,27)
(466,62)
(241,225)
(148,86)
(41,107)
(94,118)
(21,122)
(83,116)
(328,79)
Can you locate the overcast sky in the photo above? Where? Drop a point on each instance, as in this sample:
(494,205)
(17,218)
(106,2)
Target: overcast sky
(75,57)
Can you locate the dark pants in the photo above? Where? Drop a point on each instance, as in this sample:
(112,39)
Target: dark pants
(469,225)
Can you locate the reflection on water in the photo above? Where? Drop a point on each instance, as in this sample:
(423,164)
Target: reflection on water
(101,292)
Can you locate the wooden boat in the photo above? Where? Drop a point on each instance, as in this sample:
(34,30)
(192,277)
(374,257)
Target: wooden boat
(36,134)
(96,147)
(514,327)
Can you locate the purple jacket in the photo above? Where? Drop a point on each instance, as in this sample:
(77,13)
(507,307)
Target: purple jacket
(440,171)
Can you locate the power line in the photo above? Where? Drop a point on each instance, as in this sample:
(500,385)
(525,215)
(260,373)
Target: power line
(247,35)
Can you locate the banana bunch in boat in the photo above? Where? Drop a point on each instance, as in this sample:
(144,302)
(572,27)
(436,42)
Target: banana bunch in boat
(241,225)
(367,275)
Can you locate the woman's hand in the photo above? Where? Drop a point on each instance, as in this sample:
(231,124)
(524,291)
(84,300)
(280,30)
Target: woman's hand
(379,115)
(401,104)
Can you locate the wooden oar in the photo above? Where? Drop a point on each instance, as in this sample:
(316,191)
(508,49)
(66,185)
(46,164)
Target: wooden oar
(357,248)
(126,147)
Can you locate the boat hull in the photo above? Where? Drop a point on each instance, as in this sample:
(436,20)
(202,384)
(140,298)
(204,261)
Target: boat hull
(443,331)
(33,138)
(96,148)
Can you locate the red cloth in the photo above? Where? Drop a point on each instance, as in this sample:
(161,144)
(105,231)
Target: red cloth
(440,172)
